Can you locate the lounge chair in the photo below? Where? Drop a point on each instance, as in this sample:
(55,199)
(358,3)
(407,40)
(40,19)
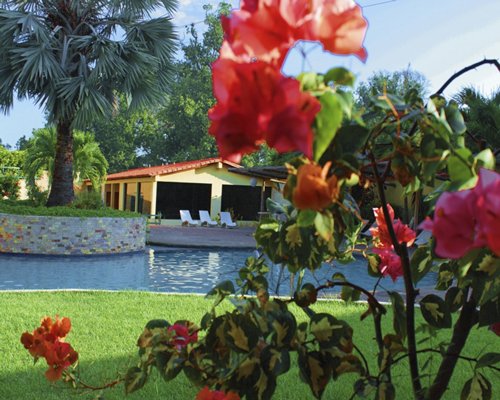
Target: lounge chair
(226,221)
(186,219)
(205,219)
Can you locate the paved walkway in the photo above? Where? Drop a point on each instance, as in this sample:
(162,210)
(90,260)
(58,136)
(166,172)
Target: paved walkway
(214,237)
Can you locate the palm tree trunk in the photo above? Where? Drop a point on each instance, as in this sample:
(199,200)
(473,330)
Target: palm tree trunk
(61,191)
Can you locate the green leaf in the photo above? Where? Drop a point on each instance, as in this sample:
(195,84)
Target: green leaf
(168,364)
(284,327)
(489,312)
(399,317)
(435,311)
(477,388)
(486,159)
(455,118)
(347,364)
(488,359)
(420,263)
(454,299)
(241,333)
(328,121)
(349,294)
(340,76)
(274,361)
(324,225)
(220,291)
(329,332)
(157,323)
(306,218)
(458,169)
(135,378)
(315,370)
(309,80)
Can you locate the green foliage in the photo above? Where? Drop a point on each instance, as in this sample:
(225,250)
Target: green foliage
(28,208)
(88,200)
(88,160)
(73,70)
(9,186)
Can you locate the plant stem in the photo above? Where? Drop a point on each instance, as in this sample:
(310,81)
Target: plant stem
(467,319)
(411,294)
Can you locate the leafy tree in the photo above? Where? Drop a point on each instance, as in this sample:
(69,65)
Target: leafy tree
(396,83)
(183,135)
(22,143)
(123,137)
(72,57)
(88,160)
(482,117)
(10,163)
(11,158)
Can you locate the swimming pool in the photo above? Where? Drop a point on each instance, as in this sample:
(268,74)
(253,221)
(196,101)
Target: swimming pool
(169,270)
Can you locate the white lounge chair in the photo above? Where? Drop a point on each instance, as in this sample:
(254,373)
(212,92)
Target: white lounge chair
(226,221)
(205,219)
(186,219)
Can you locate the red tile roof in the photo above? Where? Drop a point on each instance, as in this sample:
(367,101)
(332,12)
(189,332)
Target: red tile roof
(168,168)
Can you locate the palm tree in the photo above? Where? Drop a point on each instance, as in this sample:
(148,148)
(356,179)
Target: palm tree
(88,160)
(482,116)
(72,57)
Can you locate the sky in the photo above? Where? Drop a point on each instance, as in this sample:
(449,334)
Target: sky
(434,37)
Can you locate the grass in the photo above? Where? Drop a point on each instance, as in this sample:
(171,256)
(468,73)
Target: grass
(26,208)
(106,326)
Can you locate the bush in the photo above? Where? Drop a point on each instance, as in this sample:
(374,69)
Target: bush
(88,201)
(27,207)
(9,186)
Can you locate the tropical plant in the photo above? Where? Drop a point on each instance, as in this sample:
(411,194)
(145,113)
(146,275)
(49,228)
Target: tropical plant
(88,160)
(242,353)
(482,117)
(72,56)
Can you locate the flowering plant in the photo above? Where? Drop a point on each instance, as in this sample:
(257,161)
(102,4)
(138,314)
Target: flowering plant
(240,354)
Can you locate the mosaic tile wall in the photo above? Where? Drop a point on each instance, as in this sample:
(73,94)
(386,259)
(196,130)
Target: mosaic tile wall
(67,235)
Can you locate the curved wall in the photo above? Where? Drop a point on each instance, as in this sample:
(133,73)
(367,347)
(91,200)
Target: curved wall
(33,234)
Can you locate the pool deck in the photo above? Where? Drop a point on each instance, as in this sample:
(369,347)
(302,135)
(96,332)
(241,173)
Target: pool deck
(211,237)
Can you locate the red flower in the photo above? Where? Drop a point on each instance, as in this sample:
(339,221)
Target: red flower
(207,394)
(381,233)
(390,262)
(487,192)
(496,328)
(59,356)
(47,341)
(255,103)
(182,336)
(267,29)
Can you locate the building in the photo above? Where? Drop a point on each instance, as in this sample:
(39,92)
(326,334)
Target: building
(212,184)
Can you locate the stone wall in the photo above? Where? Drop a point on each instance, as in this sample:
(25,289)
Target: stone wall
(31,234)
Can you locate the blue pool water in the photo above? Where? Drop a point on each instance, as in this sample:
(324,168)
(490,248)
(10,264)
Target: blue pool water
(162,270)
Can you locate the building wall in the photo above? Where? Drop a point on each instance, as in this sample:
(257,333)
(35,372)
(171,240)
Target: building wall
(30,234)
(216,175)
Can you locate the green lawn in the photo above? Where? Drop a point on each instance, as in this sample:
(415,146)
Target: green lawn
(106,326)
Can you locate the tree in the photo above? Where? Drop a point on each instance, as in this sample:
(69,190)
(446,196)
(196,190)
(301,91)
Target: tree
(73,56)
(482,117)
(183,135)
(396,83)
(124,137)
(88,160)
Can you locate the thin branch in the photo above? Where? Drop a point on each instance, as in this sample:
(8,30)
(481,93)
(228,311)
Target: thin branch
(429,350)
(464,70)
(364,358)
(402,252)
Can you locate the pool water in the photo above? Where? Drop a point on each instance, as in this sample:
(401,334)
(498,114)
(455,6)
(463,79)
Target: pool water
(164,270)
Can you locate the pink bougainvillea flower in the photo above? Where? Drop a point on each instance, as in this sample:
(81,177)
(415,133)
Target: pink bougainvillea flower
(59,356)
(182,335)
(255,103)
(404,234)
(207,394)
(390,262)
(266,29)
(338,25)
(487,192)
(454,224)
